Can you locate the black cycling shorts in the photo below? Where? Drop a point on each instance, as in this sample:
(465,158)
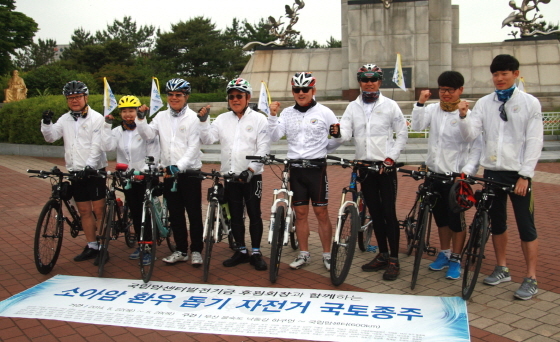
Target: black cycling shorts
(309,183)
(89,189)
(442,214)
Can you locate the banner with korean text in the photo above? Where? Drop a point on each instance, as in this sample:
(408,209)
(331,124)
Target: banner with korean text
(318,315)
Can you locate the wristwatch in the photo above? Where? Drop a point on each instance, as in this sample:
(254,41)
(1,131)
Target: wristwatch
(525,177)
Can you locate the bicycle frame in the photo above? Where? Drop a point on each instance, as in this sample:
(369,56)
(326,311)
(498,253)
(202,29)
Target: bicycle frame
(282,197)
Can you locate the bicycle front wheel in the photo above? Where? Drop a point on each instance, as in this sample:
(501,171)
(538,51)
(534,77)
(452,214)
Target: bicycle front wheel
(294,243)
(474,253)
(366,228)
(420,243)
(277,242)
(48,237)
(128,227)
(148,247)
(105,236)
(343,250)
(209,239)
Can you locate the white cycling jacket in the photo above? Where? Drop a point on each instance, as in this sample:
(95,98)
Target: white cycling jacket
(373,134)
(514,145)
(179,138)
(307,133)
(82,140)
(448,149)
(238,138)
(131,148)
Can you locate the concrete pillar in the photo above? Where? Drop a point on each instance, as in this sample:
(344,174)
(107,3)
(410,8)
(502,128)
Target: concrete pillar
(441,32)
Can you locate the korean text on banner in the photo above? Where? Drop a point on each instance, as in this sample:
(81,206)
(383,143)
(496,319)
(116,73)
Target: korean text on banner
(109,100)
(155,98)
(264,99)
(398,78)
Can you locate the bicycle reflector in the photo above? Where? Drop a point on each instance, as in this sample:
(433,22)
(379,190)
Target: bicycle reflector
(461,197)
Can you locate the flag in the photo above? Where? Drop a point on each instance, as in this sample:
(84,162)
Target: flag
(521,84)
(398,78)
(109,100)
(155,99)
(264,99)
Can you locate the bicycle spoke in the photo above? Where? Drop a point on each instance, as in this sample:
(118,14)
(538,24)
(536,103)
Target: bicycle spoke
(48,237)
(343,251)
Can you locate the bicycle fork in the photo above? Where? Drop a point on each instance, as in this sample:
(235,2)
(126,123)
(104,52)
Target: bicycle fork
(289,213)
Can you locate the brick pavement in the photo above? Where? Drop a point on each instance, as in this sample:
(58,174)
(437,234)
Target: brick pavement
(494,315)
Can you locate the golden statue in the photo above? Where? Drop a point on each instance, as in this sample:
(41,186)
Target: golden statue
(16,89)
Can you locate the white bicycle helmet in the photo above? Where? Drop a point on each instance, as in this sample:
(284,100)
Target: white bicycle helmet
(303,79)
(178,84)
(240,84)
(369,70)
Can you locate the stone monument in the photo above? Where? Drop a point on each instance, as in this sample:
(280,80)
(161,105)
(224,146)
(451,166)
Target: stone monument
(16,89)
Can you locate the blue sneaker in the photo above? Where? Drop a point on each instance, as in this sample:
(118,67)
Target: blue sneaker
(441,262)
(454,271)
(135,255)
(147,260)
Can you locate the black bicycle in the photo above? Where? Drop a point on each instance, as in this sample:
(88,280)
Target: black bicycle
(50,225)
(418,223)
(479,231)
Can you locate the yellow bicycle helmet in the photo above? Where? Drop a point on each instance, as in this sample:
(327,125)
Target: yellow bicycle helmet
(129,101)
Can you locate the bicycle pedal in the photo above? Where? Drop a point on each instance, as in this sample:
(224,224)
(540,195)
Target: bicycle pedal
(431,251)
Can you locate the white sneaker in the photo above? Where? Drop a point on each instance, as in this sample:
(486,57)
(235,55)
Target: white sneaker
(196,259)
(176,257)
(327,262)
(300,261)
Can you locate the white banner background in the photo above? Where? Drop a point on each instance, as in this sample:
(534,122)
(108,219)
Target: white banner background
(322,315)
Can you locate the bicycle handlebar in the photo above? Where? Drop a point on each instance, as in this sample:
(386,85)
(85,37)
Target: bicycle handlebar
(269,158)
(359,164)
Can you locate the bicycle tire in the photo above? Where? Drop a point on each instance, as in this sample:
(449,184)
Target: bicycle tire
(473,254)
(209,239)
(411,232)
(294,243)
(343,251)
(148,246)
(128,227)
(364,236)
(48,237)
(420,243)
(105,237)
(277,243)
(165,222)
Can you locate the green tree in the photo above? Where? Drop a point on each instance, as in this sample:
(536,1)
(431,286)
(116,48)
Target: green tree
(36,55)
(16,32)
(52,77)
(127,32)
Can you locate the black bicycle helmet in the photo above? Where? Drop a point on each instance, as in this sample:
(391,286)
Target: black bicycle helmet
(461,196)
(75,87)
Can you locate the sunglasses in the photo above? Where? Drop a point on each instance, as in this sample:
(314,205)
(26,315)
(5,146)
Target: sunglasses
(72,98)
(298,90)
(369,79)
(175,95)
(503,114)
(236,96)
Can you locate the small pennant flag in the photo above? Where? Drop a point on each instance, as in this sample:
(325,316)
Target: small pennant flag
(155,99)
(264,99)
(109,100)
(398,78)
(521,84)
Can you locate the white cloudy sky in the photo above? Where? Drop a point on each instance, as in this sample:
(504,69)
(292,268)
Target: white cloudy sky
(319,20)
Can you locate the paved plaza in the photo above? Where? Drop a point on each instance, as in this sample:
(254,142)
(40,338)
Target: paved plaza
(494,315)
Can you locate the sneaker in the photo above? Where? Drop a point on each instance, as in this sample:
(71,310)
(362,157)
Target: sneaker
(380,262)
(527,289)
(257,260)
(135,255)
(236,259)
(176,257)
(147,260)
(327,263)
(196,259)
(300,261)
(98,257)
(393,269)
(454,271)
(500,275)
(442,261)
(87,254)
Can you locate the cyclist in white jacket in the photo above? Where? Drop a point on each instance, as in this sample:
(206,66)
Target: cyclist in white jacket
(448,151)
(372,119)
(132,151)
(81,130)
(178,131)
(306,125)
(241,132)
(512,129)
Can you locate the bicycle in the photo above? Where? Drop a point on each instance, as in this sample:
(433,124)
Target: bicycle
(418,223)
(282,216)
(473,252)
(154,218)
(50,225)
(217,225)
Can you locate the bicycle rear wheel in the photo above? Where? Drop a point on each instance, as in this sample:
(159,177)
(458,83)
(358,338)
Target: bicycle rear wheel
(148,247)
(474,253)
(105,236)
(366,227)
(48,237)
(277,242)
(420,242)
(343,251)
(209,239)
